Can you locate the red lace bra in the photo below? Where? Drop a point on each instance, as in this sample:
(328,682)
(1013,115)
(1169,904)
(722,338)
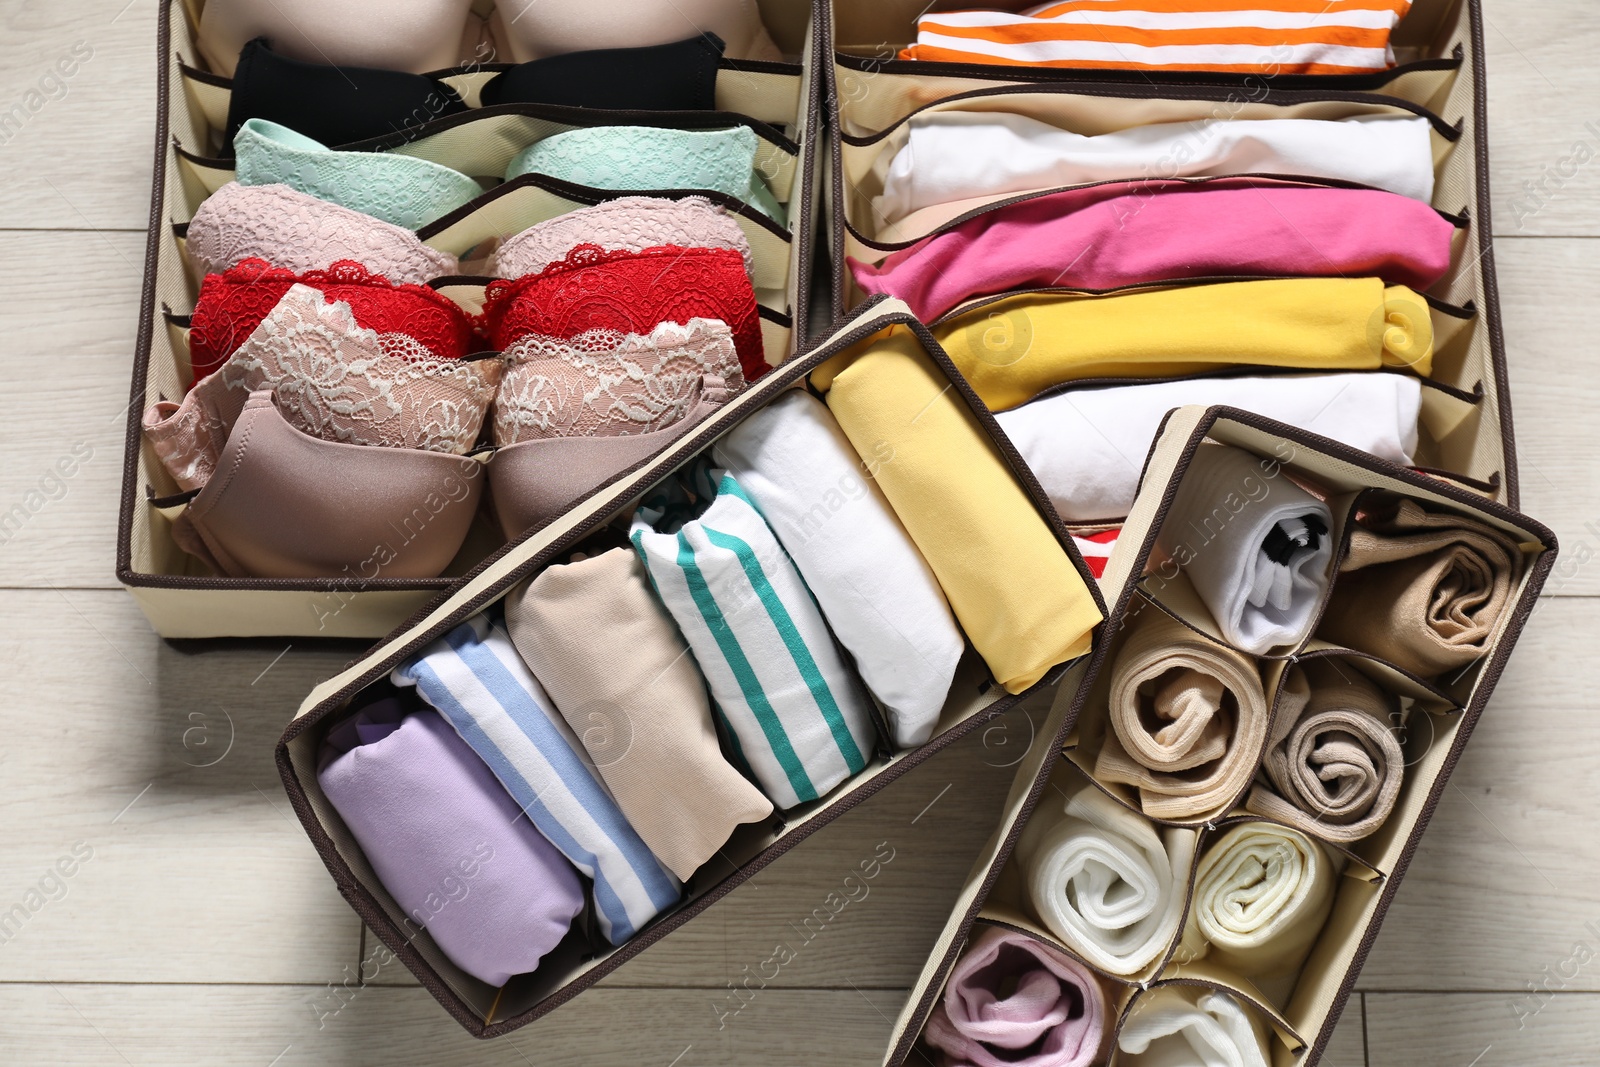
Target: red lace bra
(232,305)
(629,292)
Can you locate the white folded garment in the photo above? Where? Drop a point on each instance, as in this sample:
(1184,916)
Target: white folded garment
(1181,1026)
(874,587)
(1088,446)
(1257,547)
(797,716)
(1103,880)
(955,155)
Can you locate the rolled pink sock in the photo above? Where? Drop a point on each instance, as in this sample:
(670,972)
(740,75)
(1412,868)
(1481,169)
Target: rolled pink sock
(1104,236)
(1012,1001)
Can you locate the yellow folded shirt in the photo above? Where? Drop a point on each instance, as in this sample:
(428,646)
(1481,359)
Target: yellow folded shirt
(1015,348)
(1011,585)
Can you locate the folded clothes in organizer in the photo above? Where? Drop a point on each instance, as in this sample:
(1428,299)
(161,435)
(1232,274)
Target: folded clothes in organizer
(330,379)
(1421,588)
(1184,1024)
(653,157)
(626,224)
(1014,1001)
(631,293)
(1013,588)
(1261,895)
(1105,881)
(661,76)
(1016,347)
(956,155)
(1255,545)
(612,660)
(1087,446)
(411,321)
(1188,719)
(298,232)
(871,583)
(447,841)
(1096,549)
(1126,233)
(527,31)
(430,35)
(477,681)
(1234,36)
(1333,756)
(796,715)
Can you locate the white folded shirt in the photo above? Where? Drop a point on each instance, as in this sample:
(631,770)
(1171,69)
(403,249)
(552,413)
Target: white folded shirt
(1177,1026)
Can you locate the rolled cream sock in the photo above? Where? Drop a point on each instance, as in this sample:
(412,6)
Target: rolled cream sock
(873,586)
(1102,879)
(1011,584)
(1256,547)
(1016,347)
(1333,757)
(1424,589)
(620,675)
(796,714)
(1261,894)
(1180,1026)
(1188,719)
(1087,446)
(1014,1001)
(955,155)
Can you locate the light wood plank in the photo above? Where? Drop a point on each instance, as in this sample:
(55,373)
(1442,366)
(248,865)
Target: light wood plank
(1482,1030)
(1348,1046)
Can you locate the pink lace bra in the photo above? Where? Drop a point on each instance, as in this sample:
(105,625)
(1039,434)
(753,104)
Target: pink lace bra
(330,379)
(626,224)
(604,383)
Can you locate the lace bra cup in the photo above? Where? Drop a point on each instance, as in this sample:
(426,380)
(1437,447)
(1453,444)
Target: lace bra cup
(653,157)
(287,505)
(417,36)
(628,223)
(300,233)
(608,384)
(534,481)
(333,105)
(532,29)
(681,76)
(402,190)
(331,379)
(629,292)
(407,318)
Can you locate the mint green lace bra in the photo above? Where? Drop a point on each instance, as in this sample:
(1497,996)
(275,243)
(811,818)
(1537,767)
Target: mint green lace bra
(412,192)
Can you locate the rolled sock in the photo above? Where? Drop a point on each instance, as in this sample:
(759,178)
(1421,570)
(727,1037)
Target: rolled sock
(476,680)
(1107,236)
(1087,446)
(1333,757)
(1011,585)
(1188,719)
(447,841)
(1173,1025)
(1423,589)
(1261,895)
(1105,881)
(620,675)
(955,155)
(871,583)
(796,714)
(1255,546)
(1013,1001)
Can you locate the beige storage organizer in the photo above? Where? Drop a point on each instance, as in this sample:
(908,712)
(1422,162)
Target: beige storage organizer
(1466,420)
(182,598)
(975,698)
(1441,715)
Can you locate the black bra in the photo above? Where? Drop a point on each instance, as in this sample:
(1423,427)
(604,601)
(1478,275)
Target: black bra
(342,105)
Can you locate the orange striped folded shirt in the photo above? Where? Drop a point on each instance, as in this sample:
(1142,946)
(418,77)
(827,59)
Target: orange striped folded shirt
(1236,36)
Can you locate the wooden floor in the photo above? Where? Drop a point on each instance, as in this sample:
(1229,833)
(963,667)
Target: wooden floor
(202,929)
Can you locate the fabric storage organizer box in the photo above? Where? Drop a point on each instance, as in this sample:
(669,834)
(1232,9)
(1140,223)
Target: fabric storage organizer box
(880,104)
(1148,582)
(1026,631)
(185,597)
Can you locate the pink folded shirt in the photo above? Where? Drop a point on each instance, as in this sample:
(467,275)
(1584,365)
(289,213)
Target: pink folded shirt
(1013,1001)
(1125,233)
